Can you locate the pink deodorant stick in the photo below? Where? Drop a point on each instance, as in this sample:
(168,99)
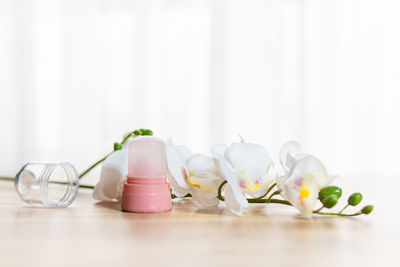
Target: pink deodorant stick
(146,189)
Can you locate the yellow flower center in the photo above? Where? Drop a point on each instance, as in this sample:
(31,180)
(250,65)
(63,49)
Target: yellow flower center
(247,183)
(195,185)
(304,193)
(190,174)
(256,185)
(199,183)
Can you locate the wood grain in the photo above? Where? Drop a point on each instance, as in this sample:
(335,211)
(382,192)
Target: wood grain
(99,234)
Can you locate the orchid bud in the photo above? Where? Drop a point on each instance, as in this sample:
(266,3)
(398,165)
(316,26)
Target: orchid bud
(330,201)
(328,191)
(137,132)
(329,196)
(354,199)
(367,209)
(146,132)
(117,146)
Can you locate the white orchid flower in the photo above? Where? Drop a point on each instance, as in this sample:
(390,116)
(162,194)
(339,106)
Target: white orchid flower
(193,173)
(304,176)
(112,176)
(245,167)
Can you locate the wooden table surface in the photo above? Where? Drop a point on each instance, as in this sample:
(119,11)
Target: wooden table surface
(89,233)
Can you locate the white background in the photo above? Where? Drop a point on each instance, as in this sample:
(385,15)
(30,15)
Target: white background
(76,75)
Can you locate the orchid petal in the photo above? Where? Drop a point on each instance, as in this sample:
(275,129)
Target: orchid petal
(234,204)
(112,176)
(280,184)
(98,193)
(201,163)
(202,176)
(235,196)
(312,166)
(306,207)
(176,189)
(176,159)
(245,155)
(251,164)
(201,201)
(300,186)
(287,155)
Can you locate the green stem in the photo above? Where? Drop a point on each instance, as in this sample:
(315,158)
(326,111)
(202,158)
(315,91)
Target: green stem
(273,194)
(175,196)
(51,182)
(276,201)
(220,197)
(94,165)
(280,201)
(7,178)
(86,186)
(81,185)
(266,193)
(255,200)
(319,209)
(345,207)
(338,213)
(127,137)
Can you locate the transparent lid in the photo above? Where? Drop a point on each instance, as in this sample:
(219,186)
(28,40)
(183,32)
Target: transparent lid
(147,158)
(47,184)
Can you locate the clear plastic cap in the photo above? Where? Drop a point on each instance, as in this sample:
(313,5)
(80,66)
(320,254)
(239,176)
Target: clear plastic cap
(147,158)
(47,184)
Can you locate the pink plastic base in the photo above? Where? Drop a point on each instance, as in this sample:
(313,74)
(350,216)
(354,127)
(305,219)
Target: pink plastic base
(146,195)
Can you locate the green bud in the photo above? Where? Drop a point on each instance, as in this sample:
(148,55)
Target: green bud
(117,146)
(328,191)
(137,132)
(330,201)
(146,132)
(354,199)
(367,209)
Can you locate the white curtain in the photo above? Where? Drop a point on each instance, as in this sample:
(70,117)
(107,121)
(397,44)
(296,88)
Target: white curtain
(75,75)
